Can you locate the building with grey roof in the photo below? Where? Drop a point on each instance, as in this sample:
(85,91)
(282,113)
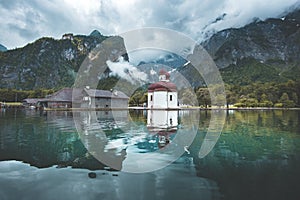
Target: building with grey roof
(104,99)
(82,98)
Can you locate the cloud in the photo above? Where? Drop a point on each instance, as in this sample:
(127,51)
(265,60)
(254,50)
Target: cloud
(25,21)
(127,71)
(237,14)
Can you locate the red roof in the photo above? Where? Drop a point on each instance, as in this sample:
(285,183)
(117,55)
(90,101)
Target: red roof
(162,86)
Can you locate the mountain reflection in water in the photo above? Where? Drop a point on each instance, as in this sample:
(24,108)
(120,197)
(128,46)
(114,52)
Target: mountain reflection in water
(255,157)
(130,145)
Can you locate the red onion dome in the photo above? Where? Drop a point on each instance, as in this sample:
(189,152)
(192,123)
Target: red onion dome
(162,86)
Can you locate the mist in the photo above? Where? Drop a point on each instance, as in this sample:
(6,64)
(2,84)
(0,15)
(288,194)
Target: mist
(127,71)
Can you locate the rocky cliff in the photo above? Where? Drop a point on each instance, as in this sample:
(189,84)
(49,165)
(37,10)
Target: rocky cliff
(47,62)
(273,41)
(262,51)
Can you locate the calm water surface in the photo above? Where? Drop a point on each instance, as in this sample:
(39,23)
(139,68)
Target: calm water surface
(48,155)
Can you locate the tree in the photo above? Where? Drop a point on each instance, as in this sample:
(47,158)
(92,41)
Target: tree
(188,97)
(139,97)
(263,97)
(203,97)
(294,98)
(144,98)
(135,98)
(220,100)
(264,102)
(285,100)
(230,98)
(247,102)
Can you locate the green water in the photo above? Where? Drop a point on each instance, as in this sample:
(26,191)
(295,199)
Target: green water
(256,156)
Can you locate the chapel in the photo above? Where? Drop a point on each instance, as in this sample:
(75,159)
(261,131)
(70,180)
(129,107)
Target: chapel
(163,94)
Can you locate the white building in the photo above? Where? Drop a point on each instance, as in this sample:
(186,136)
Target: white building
(162,94)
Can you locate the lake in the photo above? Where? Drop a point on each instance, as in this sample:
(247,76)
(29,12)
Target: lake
(140,154)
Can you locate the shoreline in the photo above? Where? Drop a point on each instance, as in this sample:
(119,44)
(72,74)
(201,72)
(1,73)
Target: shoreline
(17,106)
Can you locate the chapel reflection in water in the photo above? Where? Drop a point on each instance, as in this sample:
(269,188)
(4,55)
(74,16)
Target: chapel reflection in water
(162,124)
(125,143)
(101,138)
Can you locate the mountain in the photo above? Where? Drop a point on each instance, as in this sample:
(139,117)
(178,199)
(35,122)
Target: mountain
(96,33)
(2,48)
(262,51)
(47,62)
(273,41)
(172,60)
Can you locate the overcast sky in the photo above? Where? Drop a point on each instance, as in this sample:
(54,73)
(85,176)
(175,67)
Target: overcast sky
(24,21)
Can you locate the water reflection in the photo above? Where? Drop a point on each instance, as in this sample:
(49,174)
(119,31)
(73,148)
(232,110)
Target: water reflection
(49,138)
(133,146)
(162,119)
(257,156)
(162,123)
(43,139)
